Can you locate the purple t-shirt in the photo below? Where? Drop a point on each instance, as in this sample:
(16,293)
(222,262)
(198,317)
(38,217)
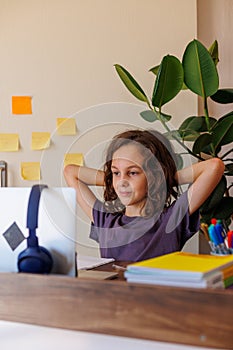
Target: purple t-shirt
(137,238)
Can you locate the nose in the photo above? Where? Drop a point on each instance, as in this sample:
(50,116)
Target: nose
(123,180)
(124,183)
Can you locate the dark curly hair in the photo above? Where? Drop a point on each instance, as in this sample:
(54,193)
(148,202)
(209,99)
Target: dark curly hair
(159,166)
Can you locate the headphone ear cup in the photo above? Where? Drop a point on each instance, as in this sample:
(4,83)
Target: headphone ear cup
(35,260)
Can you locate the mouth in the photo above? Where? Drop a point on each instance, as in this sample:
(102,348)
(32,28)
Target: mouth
(125,194)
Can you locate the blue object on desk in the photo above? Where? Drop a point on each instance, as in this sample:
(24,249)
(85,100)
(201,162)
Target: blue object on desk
(212,234)
(219,231)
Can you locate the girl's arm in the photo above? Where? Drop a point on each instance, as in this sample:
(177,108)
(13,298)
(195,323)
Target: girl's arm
(80,178)
(204,177)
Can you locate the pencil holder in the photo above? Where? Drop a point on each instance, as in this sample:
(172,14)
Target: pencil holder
(220,239)
(220,249)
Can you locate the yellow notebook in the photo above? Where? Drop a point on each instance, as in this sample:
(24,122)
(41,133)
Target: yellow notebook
(182,264)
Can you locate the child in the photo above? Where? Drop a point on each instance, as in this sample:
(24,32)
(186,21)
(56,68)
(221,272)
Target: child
(142,215)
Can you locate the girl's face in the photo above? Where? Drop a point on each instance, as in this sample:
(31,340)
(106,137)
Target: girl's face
(129,179)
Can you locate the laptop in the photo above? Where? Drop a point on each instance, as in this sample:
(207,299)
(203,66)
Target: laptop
(56,227)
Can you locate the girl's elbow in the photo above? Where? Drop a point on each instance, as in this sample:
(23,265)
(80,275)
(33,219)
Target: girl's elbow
(68,172)
(217,167)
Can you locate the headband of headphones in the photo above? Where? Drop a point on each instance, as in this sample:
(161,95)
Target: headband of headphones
(34,259)
(32,213)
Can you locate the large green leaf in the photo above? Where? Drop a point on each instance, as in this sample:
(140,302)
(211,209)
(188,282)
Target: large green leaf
(155,71)
(152,116)
(215,197)
(223,131)
(201,143)
(224,209)
(200,73)
(192,123)
(168,82)
(213,50)
(196,123)
(189,134)
(149,116)
(223,96)
(131,83)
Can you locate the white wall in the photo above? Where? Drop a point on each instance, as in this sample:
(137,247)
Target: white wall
(62,52)
(215,22)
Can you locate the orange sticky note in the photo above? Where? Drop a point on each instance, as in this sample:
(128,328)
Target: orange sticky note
(30,171)
(21,105)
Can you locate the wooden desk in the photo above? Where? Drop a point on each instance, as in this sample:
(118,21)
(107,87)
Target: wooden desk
(109,267)
(176,315)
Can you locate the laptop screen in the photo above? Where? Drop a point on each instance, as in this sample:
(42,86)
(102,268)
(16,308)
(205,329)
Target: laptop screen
(56,227)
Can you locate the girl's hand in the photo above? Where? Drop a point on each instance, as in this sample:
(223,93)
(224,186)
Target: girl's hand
(204,176)
(80,178)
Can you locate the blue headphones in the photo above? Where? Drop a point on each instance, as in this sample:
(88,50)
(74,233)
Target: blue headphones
(34,259)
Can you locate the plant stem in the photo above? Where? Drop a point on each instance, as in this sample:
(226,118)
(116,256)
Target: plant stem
(207,120)
(158,113)
(206,114)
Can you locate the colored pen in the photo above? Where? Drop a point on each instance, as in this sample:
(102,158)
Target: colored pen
(218,230)
(213,235)
(230,239)
(204,229)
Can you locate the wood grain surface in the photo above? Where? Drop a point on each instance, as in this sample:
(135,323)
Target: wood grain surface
(179,315)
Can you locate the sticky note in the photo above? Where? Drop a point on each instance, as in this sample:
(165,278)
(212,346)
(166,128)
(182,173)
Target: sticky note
(73,158)
(66,126)
(30,170)
(9,142)
(40,140)
(21,105)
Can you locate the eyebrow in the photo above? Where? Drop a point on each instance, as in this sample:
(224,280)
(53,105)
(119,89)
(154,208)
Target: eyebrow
(130,167)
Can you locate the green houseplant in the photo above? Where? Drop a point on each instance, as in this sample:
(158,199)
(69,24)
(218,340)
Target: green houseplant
(209,136)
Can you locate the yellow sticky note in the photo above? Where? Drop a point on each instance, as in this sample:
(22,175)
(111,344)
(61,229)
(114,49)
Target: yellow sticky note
(30,170)
(40,140)
(66,126)
(21,105)
(9,142)
(73,158)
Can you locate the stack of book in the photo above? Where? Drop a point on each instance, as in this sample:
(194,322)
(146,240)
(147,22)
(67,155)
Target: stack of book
(182,269)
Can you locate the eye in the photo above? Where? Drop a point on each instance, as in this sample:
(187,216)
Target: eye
(115,173)
(133,173)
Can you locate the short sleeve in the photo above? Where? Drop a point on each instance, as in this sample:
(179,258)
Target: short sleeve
(98,220)
(180,218)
